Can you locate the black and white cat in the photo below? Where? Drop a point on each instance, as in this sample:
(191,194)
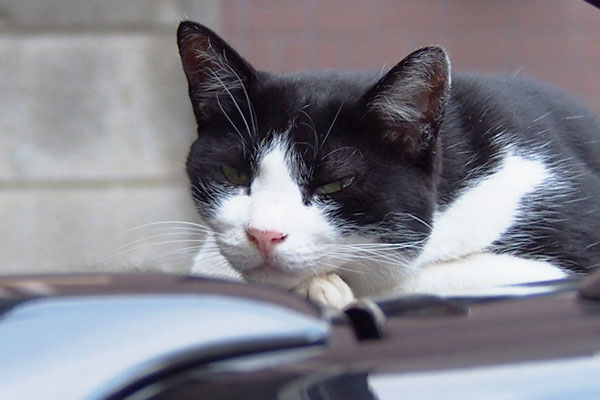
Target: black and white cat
(339,184)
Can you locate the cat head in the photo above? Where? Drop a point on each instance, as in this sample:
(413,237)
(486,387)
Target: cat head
(314,172)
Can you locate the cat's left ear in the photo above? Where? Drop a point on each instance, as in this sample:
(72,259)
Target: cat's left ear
(408,103)
(216,73)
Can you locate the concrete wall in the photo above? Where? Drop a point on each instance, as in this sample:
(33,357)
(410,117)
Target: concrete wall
(94,129)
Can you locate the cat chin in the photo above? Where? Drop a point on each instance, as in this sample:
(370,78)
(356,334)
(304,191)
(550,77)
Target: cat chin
(278,271)
(275,277)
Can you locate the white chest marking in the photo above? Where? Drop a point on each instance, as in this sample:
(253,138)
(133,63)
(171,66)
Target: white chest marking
(482,213)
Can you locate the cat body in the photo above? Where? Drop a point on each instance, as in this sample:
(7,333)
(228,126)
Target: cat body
(339,184)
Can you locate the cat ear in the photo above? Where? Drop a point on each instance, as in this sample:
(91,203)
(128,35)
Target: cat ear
(215,72)
(408,103)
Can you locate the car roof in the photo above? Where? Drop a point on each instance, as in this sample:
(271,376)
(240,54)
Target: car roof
(163,324)
(83,336)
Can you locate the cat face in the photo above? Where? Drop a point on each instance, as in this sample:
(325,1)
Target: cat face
(316,172)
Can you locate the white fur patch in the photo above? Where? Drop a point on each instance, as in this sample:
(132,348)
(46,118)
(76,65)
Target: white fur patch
(455,258)
(482,213)
(210,263)
(478,271)
(274,204)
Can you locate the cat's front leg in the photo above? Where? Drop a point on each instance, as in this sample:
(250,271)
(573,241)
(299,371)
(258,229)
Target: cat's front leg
(329,289)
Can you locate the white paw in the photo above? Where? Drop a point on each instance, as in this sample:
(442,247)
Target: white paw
(328,290)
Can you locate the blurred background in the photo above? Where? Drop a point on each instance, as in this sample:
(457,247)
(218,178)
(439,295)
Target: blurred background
(95,121)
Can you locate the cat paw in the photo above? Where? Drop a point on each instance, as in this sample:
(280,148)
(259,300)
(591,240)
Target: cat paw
(329,290)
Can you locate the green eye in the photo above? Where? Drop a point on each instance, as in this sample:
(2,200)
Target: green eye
(335,186)
(235,176)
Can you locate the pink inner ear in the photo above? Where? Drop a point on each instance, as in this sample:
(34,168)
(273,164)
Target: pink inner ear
(407,139)
(408,103)
(414,91)
(193,47)
(198,47)
(422,101)
(210,64)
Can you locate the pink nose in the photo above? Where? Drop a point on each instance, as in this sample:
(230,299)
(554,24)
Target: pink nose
(265,241)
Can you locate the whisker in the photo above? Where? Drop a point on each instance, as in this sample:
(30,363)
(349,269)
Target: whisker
(154,244)
(186,251)
(374,255)
(253,117)
(173,222)
(235,103)
(230,121)
(182,230)
(383,246)
(132,245)
(332,123)
(346,269)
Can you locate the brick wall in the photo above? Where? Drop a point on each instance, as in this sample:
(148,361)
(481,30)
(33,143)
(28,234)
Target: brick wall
(553,40)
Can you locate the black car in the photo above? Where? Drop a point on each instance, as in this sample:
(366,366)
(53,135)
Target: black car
(159,336)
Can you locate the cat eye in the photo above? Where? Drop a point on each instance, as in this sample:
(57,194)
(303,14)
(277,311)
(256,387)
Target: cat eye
(335,186)
(235,176)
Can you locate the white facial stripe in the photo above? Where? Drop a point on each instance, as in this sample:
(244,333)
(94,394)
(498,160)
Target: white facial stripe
(274,203)
(484,212)
(273,192)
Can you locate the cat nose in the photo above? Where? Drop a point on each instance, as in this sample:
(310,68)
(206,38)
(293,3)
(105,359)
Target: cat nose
(265,241)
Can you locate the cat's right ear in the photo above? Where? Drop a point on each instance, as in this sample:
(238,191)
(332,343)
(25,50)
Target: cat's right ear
(407,104)
(216,74)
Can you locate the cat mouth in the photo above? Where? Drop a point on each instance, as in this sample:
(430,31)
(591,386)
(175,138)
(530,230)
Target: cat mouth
(273,273)
(269,266)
